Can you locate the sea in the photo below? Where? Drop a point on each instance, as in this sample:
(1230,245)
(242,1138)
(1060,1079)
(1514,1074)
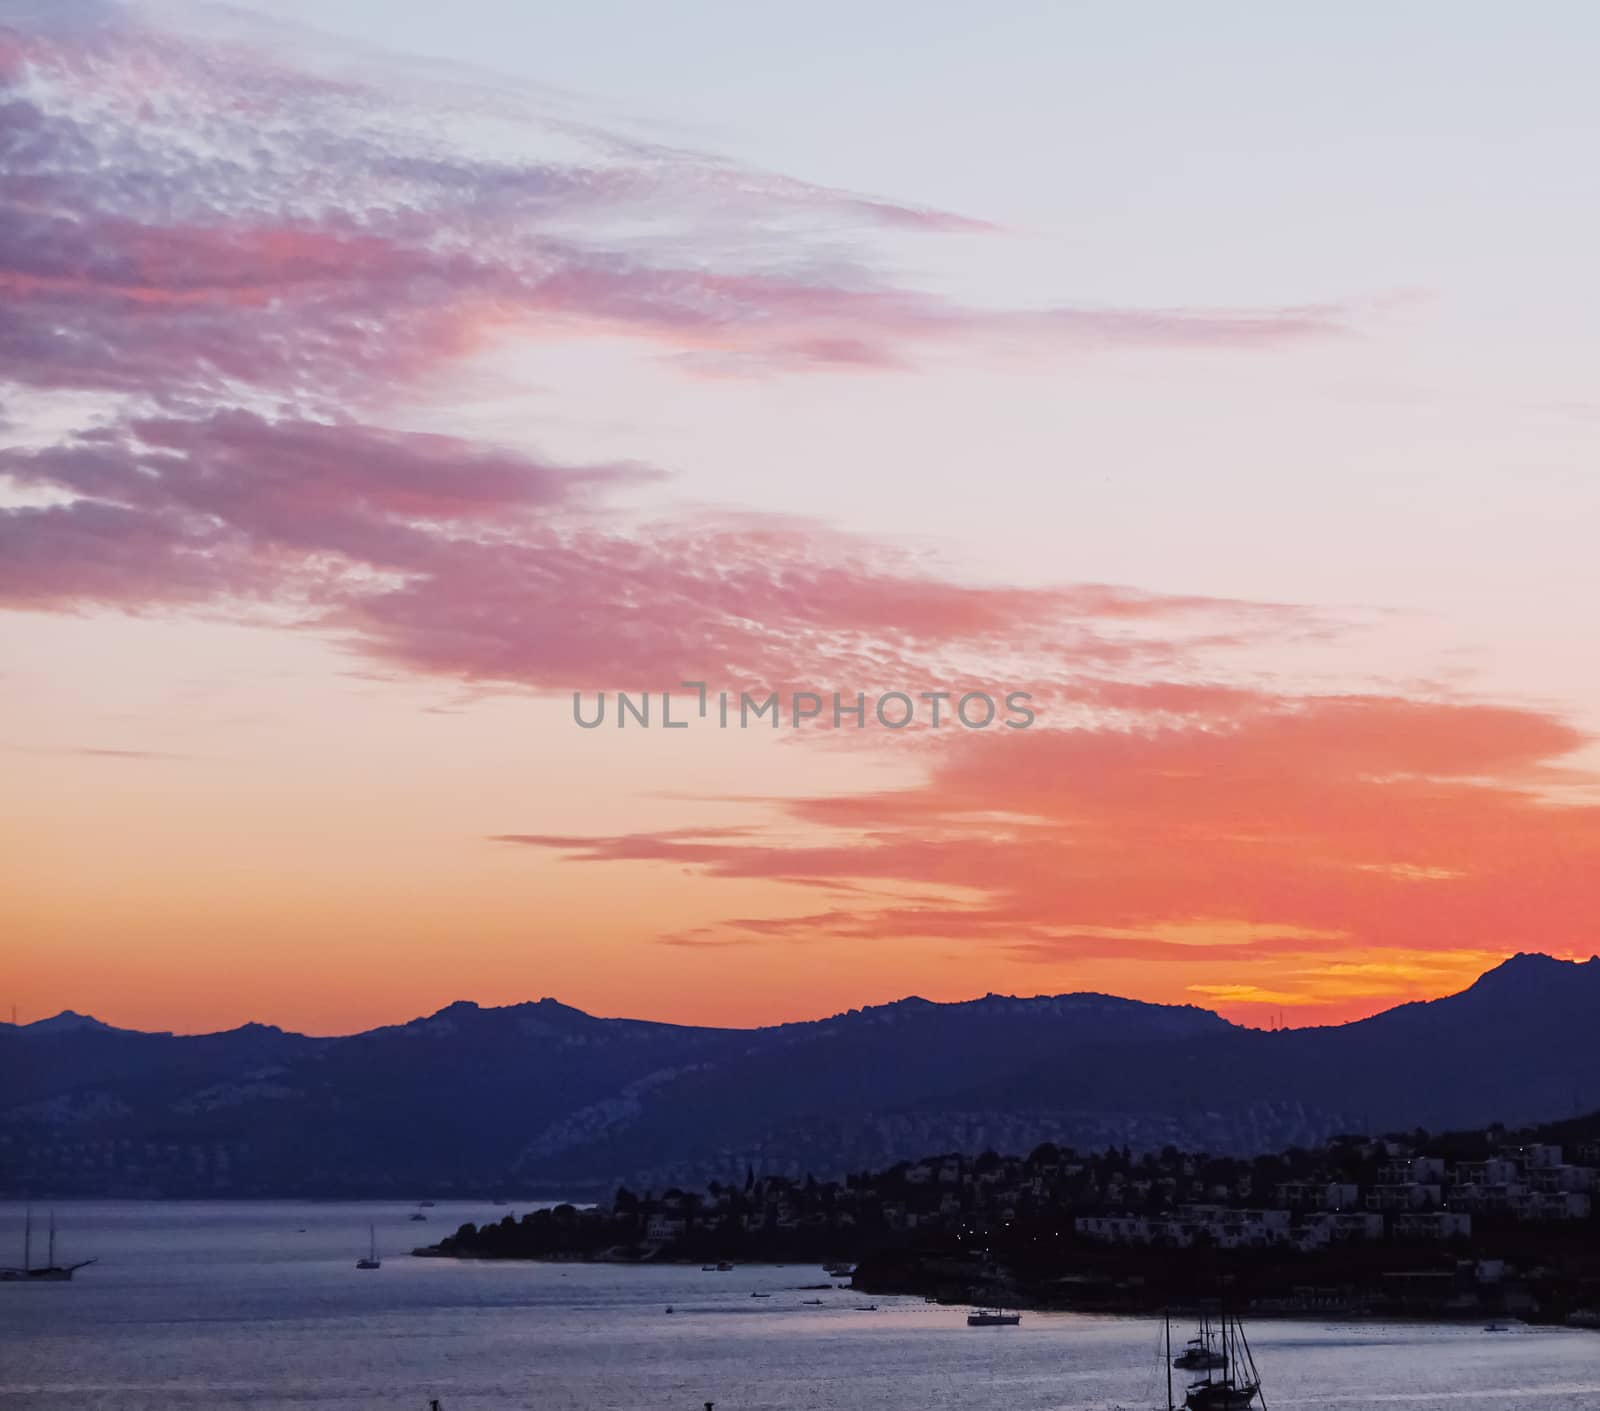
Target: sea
(259,1305)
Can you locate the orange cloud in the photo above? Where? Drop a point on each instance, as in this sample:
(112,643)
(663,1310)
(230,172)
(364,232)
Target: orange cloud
(1325,850)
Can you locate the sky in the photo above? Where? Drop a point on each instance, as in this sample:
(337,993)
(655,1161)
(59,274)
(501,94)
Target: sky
(374,377)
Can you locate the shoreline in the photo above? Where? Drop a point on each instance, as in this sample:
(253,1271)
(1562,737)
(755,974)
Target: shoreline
(1258,1310)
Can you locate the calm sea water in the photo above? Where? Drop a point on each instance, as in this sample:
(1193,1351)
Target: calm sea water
(259,1305)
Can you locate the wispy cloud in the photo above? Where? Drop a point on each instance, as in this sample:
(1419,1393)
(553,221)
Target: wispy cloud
(251,257)
(198,218)
(1282,839)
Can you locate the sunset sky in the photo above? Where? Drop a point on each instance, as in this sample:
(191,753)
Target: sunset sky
(1224,376)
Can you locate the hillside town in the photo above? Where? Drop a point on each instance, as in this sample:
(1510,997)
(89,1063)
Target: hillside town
(1494,1220)
(1414,1197)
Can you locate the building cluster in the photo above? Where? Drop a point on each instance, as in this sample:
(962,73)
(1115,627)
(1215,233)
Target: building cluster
(1365,1225)
(945,1193)
(1352,1191)
(950,1194)
(1410,1197)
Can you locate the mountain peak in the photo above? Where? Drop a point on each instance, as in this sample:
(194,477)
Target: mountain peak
(69,1021)
(1533,969)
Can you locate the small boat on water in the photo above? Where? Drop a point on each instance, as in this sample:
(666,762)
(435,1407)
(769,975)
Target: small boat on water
(992,1318)
(724,1266)
(1231,1383)
(1496,1328)
(418,1215)
(47,1273)
(1200,1353)
(371,1261)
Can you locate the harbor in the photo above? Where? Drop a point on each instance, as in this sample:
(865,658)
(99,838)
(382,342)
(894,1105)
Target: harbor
(234,1305)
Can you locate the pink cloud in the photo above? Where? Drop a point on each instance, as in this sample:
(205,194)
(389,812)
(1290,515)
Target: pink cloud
(195,226)
(450,557)
(188,217)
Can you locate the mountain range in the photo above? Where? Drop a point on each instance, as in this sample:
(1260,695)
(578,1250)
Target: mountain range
(543,1099)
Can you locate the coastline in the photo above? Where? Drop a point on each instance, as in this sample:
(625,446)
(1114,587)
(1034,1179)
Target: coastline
(1186,1292)
(1136,1303)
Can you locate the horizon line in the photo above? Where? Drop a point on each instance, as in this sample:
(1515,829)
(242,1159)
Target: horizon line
(16,1027)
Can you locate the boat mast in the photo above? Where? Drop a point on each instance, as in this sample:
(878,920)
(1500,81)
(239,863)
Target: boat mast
(51,1262)
(27,1240)
(1250,1361)
(1222,1319)
(1169,1359)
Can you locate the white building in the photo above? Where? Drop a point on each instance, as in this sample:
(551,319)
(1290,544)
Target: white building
(1554,1205)
(1412,1195)
(1189,1225)
(1318,1195)
(663,1229)
(1339,1227)
(1432,1225)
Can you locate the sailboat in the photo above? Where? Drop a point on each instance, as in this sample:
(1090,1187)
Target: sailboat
(1200,1354)
(49,1271)
(371,1261)
(1233,1384)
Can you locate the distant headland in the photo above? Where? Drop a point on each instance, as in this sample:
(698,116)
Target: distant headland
(1467,1225)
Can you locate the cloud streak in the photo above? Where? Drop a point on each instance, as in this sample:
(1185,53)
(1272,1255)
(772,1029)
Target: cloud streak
(250,259)
(1374,829)
(454,558)
(201,218)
